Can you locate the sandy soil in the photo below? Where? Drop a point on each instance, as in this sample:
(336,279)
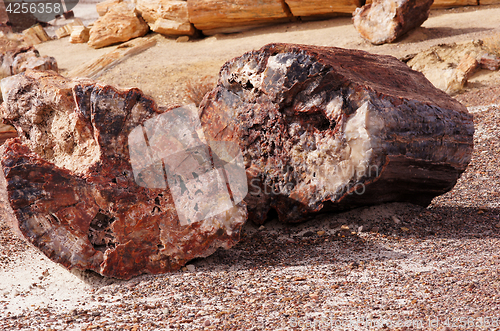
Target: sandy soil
(399,265)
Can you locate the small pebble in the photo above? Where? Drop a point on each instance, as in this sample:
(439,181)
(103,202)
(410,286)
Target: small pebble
(182,39)
(396,220)
(190,267)
(206,323)
(262,227)
(321,232)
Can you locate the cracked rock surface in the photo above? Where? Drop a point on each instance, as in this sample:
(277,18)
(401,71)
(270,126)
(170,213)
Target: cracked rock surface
(383,21)
(68,187)
(328,129)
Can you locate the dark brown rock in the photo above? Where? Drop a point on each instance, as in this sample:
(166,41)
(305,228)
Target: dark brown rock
(82,184)
(383,21)
(328,129)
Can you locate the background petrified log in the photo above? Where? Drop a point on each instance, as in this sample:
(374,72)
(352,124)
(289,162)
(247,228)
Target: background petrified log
(67,184)
(215,16)
(328,128)
(383,21)
(119,24)
(322,7)
(166,16)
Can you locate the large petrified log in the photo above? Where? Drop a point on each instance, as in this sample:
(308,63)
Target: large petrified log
(119,24)
(215,16)
(329,128)
(383,21)
(84,185)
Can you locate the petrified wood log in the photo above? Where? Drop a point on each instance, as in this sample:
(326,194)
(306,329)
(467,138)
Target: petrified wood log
(329,128)
(322,7)
(215,16)
(79,182)
(119,24)
(383,21)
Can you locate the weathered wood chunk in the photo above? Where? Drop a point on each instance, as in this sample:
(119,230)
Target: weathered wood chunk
(322,7)
(166,17)
(328,128)
(35,35)
(215,16)
(119,24)
(84,185)
(383,21)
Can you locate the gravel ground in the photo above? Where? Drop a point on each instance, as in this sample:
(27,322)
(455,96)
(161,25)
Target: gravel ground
(396,266)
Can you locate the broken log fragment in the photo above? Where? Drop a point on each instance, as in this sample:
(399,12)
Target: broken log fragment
(79,183)
(329,129)
(383,21)
(119,24)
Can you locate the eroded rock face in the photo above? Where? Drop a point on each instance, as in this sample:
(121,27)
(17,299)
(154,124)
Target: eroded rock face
(383,21)
(84,185)
(327,129)
(166,16)
(21,59)
(119,24)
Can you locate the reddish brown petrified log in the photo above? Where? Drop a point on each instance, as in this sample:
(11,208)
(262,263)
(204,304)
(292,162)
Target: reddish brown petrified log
(383,21)
(329,128)
(69,184)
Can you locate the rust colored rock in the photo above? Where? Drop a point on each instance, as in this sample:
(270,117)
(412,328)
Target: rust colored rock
(84,185)
(119,24)
(215,16)
(383,21)
(326,129)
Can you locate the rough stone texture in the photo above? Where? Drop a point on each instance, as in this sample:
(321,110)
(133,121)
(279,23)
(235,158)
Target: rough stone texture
(79,35)
(438,63)
(172,28)
(166,17)
(68,187)
(66,30)
(489,62)
(467,66)
(328,128)
(383,21)
(21,59)
(103,7)
(7,132)
(322,7)
(35,35)
(119,24)
(215,16)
